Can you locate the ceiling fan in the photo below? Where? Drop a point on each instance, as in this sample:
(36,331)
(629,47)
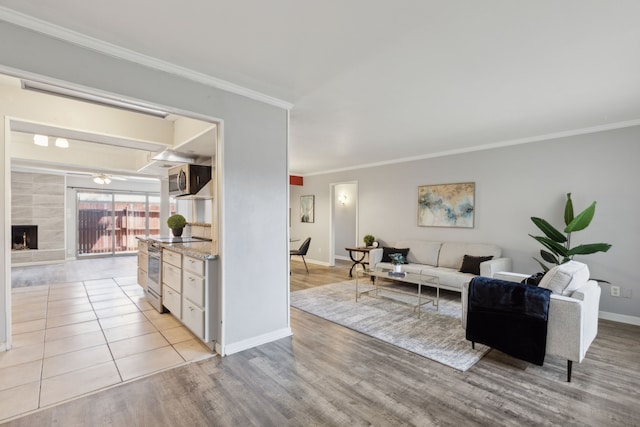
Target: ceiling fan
(100,177)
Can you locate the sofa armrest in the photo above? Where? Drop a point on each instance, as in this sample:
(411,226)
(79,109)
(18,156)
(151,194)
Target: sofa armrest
(510,277)
(375,256)
(491,267)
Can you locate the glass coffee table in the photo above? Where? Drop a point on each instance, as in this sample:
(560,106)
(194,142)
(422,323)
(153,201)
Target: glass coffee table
(385,286)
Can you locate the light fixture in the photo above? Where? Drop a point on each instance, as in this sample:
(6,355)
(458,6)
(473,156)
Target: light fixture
(62,143)
(102,179)
(342,199)
(41,140)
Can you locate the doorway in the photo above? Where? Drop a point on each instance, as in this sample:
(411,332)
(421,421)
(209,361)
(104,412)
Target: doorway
(344,219)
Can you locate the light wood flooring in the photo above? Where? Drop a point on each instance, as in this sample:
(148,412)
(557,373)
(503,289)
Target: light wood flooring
(328,375)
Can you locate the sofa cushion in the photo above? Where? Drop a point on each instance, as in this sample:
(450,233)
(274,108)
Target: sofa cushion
(452,253)
(421,251)
(565,278)
(471,264)
(389,250)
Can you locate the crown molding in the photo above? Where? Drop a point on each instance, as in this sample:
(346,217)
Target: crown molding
(508,143)
(64,34)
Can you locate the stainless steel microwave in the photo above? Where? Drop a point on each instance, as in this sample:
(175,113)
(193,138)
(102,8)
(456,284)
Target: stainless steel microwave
(186,180)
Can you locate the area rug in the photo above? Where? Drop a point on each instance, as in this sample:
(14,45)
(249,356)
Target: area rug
(437,335)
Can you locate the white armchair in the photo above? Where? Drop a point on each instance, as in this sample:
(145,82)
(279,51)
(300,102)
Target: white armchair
(572,320)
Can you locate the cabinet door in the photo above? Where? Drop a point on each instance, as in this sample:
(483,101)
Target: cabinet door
(142,278)
(143,261)
(172,301)
(193,288)
(172,258)
(194,265)
(172,276)
(193,318)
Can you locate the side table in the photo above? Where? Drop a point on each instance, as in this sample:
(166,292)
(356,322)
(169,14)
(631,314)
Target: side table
(364,251)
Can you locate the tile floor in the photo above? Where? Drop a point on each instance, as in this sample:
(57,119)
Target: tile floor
(74,338)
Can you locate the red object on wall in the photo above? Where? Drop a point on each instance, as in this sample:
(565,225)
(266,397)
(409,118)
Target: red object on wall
(295,180)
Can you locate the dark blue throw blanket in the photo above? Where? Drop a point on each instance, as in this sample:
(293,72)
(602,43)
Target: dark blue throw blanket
(508,316)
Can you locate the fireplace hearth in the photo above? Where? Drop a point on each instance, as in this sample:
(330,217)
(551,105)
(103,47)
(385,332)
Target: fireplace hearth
(24,237)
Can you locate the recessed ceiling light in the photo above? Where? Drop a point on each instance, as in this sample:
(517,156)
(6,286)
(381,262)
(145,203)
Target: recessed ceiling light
(62,143)
(41,140)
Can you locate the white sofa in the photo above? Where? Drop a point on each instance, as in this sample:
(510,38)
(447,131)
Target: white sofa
(444,259)
(573,310)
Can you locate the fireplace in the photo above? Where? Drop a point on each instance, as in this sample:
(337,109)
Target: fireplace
(24,237)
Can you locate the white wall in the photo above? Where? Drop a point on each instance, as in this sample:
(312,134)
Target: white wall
(252,189)
(345,219)
(512,184)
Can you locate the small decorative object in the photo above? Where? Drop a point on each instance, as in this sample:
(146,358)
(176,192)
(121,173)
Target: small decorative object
(368,240)
(307,208)
(397,260)
(558,245)
(446,205)
(176,223)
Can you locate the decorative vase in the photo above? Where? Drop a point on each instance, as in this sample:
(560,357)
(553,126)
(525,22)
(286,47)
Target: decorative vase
(397,268)
(177,232)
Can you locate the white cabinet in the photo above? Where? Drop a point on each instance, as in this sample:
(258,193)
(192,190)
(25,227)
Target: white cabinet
(172,282)
(193,317)
(193,295)
(172,301)
(143,261)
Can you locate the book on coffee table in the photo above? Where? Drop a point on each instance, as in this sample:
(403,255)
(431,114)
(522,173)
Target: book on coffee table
(397,274)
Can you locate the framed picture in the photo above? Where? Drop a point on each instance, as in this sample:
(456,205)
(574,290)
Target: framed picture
(446,205)
(307,213)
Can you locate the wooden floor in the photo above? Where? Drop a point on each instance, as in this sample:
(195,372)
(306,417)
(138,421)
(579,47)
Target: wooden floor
(327,375)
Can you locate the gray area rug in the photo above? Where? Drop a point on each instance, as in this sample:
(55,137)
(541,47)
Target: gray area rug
(437,335)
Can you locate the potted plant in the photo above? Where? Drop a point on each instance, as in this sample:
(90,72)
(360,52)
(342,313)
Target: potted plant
(176,223)
(397,260)
(368,240)
(558,244)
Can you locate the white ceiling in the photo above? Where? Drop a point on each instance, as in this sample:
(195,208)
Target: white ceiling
(375,81)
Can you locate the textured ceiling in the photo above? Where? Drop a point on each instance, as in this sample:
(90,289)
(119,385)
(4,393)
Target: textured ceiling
(378,81)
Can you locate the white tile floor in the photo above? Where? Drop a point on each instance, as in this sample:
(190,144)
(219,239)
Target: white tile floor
(74,338)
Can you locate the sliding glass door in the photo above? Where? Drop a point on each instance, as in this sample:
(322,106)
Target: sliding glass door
(109,222)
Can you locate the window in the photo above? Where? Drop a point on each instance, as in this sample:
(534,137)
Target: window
(109,222)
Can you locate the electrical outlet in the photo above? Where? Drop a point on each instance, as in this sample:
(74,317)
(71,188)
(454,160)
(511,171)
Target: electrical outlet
(615,291)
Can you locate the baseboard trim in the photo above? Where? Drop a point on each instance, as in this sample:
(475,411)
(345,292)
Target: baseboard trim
(313,261)
(622,318)
(255,341)
(343,258)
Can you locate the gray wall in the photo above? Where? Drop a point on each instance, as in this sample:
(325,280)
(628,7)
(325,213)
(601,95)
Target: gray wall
(512,184)
(345,219)
(253,179)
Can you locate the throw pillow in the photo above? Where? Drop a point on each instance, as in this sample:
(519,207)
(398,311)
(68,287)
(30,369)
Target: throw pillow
(386,251)
(565,278)
(471,264)
(534,279)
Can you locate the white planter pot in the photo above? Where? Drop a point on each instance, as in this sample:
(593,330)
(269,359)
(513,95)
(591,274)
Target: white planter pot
(397,268)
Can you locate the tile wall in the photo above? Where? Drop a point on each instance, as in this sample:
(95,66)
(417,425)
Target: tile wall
(38,199)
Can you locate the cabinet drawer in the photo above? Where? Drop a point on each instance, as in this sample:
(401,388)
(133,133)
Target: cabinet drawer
(171,299)
(171,257)
(142,247)
(172,276)
(143,261)
(193,318)
(142,278)
(193,287)
(194,265)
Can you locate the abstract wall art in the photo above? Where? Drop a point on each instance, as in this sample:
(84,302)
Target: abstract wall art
(446,205)
(307,213)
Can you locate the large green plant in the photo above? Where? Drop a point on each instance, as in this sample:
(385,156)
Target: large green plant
(558,245)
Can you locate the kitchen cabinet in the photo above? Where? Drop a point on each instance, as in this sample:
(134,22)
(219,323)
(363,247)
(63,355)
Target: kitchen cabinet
(143,264)
(193,295)
(172,282)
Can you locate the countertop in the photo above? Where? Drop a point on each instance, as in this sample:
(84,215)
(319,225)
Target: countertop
(201,250)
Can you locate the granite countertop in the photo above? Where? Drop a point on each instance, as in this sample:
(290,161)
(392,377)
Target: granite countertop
(201,250)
